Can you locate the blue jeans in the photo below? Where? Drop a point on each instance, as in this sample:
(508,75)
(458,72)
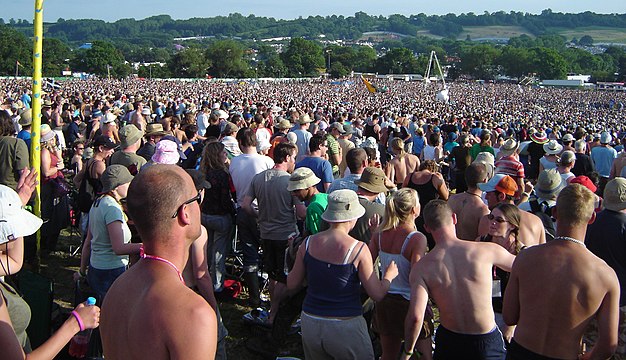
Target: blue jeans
(220,229)
(101,280)
(250,237)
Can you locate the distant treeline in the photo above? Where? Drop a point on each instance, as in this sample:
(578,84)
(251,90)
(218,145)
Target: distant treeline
(159,30)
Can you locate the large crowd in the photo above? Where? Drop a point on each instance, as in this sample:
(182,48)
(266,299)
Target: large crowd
(358,212)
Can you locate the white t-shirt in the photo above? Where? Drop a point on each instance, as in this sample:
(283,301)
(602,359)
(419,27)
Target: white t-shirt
(243,168)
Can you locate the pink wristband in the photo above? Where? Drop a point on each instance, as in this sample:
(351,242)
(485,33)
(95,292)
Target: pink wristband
(81,326)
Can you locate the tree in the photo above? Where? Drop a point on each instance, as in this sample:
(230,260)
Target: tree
(515,62)
(397,61)
(227,59)
(102,59)
(303,58)
(189,63)
(548,63)
(480,61)
(55,52)
(154,71)
(14,48)
(585,40)
(269,64)
(365,58)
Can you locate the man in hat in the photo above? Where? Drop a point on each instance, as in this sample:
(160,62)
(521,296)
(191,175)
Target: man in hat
(603,156)
(370,185)
(568,141)
(276,214)
(280,135)
(229,141)
(302,184)
(130,138)
(605,238)
(535,153)
(149,303)
(304,136)
(25,121)
(457,275)
(468,205)
(402,164)
(575,286)
(509,164)
(501,189)
(154,133)
(346,145)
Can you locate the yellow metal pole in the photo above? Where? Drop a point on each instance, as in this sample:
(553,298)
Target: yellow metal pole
(35,155)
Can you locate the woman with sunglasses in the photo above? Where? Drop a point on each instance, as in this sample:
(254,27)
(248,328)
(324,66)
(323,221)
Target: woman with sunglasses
(504,224)
(107,246)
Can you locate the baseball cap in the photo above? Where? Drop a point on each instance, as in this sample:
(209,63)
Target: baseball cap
(499,182)
(615,194)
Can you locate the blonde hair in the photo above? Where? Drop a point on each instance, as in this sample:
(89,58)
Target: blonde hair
(575,205)
(398,208)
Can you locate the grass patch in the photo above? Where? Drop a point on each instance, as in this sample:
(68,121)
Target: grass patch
(481,32)
(599,34)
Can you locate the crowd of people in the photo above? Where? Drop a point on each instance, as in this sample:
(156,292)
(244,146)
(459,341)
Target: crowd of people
(502,207)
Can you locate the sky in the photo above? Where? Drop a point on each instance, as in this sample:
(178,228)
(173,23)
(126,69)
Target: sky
(111,10)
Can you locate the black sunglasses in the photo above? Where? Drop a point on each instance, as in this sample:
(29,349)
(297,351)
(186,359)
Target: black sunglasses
(498,219)
(197,198)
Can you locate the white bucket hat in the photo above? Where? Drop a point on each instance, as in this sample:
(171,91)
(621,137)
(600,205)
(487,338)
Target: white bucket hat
(302,178)
(15,222)
(343,206)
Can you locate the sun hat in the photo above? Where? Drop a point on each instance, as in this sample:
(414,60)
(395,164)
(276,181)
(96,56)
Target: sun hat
(487,159)
(179,145)
(552,147)
(549,184)
(615,194)
(155,129)
(166,153)
(373,180)
(568,137)
(500,182)
(46,133)
(114,176)
(283,124)
(15,222)
(343,206)
(509,147)
(347,128)
(605,137)
(109,118)
(567,157)
(221,114)
(302,178)
(584,181)
(129,135)
(26,118)
(103,140)
(304,119)
(338,126)
(230,128)
(539,137)
(46,103)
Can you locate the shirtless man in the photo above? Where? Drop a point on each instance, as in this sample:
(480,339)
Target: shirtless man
(469,206)
(502,189)
(150,304)
(457,275)
(402,164)
(575,286)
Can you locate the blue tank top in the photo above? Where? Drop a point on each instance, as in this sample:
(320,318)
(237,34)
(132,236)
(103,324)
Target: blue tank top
(400,285)
(334,289)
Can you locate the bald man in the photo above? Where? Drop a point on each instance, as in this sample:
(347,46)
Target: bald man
(149,313)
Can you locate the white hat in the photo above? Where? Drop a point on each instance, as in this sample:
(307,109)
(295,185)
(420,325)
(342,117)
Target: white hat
(343,206)
(15,222)
(552,147)
(302,178)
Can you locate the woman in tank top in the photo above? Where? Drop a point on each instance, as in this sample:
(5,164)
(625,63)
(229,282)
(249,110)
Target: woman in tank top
(335,265)
(397,240)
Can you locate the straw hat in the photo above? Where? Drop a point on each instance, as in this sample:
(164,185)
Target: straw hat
(509,147)
(155,129)
(283,124)
(552,147)
(343,206)
(304,119)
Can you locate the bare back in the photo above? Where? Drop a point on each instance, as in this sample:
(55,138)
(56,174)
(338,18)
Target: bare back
(574,285)
(183,327)
(458,276)
(402,166)
(469,209)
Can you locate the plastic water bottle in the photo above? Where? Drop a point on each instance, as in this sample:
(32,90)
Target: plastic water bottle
(80,342)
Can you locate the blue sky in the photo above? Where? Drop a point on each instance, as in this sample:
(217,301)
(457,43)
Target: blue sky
(111,10)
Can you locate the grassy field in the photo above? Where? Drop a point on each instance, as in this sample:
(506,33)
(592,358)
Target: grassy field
(480,32)
(599,34)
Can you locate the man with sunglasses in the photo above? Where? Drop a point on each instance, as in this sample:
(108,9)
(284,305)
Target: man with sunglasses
(501,189)
(149,308)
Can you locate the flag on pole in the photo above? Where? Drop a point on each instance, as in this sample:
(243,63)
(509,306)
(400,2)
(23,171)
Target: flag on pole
(18,63)
(371,88)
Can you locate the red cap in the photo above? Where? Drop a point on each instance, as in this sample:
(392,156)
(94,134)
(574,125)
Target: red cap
(584,181)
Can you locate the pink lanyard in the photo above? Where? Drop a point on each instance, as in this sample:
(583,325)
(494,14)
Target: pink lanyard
(158,258)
